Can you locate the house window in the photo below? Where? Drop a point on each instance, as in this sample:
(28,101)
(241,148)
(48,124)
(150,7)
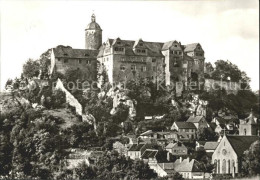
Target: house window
(153,60)
(65,60)
(79,61)
(143,68)
(88,61)
(58,59)
(122,67)
(175,52)
(133,67)
(154,68)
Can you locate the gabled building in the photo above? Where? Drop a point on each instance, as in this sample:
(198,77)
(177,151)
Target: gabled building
(249,126)
(136,150)
(210,146)
(177,148)
(227,155)
(199,121)
(189,169)
(186,128)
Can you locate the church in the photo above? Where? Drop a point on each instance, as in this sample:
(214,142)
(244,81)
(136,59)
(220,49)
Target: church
(121,60)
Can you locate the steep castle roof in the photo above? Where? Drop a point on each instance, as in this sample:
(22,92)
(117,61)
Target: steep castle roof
(68,52)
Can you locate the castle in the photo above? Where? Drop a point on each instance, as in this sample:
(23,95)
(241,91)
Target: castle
(123,60)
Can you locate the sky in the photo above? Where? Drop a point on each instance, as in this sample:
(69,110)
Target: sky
(226,29)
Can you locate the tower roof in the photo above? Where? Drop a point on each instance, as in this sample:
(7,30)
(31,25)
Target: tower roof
(93,24)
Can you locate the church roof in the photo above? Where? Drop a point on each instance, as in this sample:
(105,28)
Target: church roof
(68,52)
(241,143)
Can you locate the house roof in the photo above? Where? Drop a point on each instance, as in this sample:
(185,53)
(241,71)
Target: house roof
(136,147)
(202,142)
(185,125)
(241,143)
(195,119)
(149,153)
(172,145)
(185,166)
(211,145)
(213,125)
(147,133)
(68,52)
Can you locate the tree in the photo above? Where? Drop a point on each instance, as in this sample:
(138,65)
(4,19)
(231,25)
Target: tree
(31,69)
(44,63)
(83,171)
(251,160)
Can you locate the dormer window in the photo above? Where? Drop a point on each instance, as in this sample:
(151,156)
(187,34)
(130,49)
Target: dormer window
(120,49)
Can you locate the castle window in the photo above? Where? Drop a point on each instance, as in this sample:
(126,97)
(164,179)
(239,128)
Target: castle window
(143,51)
(179,52)
(175,45)
(175,52)
(65,60)
(154,68)
(79,61)
(65,54)
(118,42)
(133,67)
(86,54)
(153,60)
(119,49)
(58,59)
(122,68)
(88,62)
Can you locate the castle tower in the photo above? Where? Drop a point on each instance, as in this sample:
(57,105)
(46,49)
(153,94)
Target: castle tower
(93,35)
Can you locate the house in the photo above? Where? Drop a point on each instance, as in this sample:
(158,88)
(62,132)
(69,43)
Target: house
(189,169)
(210,146)
(199,121)
(149,156)
(200,145)
(136,150)
(227,155)
(177,148)
(249,126)
(185,128)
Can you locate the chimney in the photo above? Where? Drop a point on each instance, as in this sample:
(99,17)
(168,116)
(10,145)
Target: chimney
(168,156)
(180,159)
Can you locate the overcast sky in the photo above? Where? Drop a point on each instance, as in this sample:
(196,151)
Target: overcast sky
(226,29)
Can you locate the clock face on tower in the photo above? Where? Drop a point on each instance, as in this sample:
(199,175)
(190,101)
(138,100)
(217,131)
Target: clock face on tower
(224,151)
